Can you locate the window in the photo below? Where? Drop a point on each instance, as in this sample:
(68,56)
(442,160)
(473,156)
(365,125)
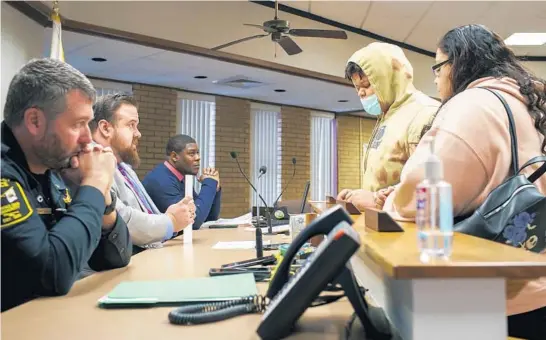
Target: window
(323,155)
(110,87)
(197,118)
(265,151)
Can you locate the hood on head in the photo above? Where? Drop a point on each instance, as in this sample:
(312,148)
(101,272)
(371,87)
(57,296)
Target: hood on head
(388,70)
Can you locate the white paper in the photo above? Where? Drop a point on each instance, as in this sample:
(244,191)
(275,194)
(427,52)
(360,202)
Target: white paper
(241,220)
(238,245)
(188,181)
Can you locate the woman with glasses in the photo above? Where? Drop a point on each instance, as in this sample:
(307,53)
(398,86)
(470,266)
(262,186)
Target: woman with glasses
(471,138)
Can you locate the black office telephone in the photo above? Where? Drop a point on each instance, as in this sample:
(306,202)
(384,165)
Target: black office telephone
(329,264)
(291,296)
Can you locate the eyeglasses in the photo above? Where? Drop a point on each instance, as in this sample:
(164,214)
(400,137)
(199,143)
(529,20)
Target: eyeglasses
(436,68)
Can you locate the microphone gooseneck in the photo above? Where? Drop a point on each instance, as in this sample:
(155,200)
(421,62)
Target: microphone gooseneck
(287,183)
(234,156)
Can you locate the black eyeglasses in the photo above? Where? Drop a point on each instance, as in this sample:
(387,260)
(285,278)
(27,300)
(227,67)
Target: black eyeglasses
(436,68)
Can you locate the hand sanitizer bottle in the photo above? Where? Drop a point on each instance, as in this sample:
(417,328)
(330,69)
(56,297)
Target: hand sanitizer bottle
(434,215)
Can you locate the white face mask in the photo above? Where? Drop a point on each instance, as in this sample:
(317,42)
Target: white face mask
(371,105)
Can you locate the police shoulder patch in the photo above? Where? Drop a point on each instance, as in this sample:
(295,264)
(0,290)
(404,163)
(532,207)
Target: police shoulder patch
(16,207)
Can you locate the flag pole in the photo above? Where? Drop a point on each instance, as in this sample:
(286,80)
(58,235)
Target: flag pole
(56,51)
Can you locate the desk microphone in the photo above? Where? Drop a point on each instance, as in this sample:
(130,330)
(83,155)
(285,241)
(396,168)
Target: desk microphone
(234,156)
(262,171)
(287,183)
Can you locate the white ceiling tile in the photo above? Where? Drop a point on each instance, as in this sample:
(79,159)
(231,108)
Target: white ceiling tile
(443,16)
(71,43)
(351,13)
(395,20)
(507,18)
(117,53)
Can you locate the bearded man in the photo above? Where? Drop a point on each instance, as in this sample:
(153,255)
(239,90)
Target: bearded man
(116,125)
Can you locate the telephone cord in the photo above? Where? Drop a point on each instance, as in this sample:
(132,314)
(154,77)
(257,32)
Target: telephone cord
(217,311)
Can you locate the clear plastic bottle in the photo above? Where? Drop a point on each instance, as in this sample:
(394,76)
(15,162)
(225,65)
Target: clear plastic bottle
(434,215)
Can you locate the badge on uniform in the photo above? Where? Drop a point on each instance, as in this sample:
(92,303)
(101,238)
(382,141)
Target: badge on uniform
(15,206)
(67,199)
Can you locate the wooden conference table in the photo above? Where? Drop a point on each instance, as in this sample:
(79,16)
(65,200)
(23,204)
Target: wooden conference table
(424,301)
(76,316)
(463,298)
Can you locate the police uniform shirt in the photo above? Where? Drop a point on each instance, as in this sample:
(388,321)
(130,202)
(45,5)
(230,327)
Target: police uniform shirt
(47,235)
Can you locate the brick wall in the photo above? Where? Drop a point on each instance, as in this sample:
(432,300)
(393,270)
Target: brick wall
(157,113)
(157,110)
(366,129)
(353,132)
(295,142)
(158,119)
(233,134)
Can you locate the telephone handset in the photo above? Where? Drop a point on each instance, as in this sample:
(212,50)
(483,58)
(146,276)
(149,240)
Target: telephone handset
(320,269)
(322,225)
(329,264)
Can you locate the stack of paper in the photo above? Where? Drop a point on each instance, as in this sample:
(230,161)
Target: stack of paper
(241,220)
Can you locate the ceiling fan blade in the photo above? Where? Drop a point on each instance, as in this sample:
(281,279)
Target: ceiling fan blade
(289,45)
(332,34)
(257,26)
(238,41)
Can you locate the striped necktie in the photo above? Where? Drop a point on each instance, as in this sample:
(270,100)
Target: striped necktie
(136,189)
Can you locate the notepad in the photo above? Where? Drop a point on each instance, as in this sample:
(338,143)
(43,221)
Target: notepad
(179,292)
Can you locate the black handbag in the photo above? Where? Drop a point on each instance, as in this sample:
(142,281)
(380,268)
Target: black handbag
(514,213)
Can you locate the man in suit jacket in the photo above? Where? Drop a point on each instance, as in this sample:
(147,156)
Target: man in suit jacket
(166,182)
(116,125)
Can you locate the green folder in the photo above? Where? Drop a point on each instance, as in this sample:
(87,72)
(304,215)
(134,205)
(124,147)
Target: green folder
(178,292)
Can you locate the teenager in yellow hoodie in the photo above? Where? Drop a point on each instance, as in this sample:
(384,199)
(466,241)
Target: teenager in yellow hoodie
(383,79)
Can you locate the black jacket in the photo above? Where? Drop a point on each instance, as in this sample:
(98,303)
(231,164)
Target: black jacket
(48,236)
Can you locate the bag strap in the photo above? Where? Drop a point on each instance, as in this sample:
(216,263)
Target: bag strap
(514,145)
(512,127)
(538,172)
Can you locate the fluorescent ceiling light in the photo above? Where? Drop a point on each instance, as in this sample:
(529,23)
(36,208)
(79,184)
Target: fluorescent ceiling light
(526,39)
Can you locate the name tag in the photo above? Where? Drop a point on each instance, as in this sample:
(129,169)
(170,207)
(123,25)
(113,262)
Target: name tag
(44,211)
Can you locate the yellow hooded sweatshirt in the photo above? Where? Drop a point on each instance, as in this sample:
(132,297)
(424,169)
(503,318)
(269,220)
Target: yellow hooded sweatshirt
(410,113)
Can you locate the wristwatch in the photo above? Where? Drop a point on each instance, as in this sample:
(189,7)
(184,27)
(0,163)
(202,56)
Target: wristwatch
(110,208)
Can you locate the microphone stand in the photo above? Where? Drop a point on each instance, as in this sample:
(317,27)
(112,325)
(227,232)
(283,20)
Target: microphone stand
(267,215)
(287,183)
(259,239)
(258,198)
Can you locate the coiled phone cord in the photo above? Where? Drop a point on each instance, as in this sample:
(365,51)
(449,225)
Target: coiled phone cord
(217,311)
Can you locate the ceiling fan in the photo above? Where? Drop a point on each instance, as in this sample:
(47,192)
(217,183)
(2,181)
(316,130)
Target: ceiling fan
(280,31)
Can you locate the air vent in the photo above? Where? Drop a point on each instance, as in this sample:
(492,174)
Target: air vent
(240,82)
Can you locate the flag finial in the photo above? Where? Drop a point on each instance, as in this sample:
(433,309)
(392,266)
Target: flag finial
(55,10)
(56,41)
